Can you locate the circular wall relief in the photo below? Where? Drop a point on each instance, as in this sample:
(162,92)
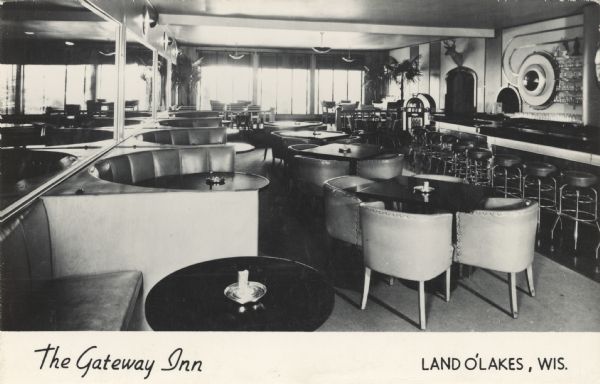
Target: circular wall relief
(537,79)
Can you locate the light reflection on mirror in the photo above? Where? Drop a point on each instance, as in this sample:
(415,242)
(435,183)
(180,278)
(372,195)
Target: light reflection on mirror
(57,92)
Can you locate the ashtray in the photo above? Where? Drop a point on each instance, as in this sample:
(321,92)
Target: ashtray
(252,293)
(424,188)
(316,133)
(344,150)
(215,180)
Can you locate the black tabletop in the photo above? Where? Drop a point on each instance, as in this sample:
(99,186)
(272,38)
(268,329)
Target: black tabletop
(448,196)
(356,151)
(298,297)
(241,147)
(231,181)
(291,124)
(315,135)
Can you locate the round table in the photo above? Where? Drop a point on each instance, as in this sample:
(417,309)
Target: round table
(298,297)
(291,124)
(232,181)
(241,147)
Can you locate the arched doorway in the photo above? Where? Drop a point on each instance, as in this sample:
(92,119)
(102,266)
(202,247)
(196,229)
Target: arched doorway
(461,92)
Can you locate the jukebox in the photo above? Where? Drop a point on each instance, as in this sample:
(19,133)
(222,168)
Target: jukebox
(417,111)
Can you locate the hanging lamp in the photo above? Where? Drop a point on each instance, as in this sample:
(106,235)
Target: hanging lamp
(236,55)
(321,49)
(348,59)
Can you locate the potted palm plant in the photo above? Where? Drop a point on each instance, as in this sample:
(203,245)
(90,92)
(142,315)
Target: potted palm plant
(399,72)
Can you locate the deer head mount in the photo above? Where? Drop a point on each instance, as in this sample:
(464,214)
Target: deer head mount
(456,56)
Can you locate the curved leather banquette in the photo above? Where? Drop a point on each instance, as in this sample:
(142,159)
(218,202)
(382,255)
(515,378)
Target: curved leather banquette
(193,136)
(135,167)
(192,122)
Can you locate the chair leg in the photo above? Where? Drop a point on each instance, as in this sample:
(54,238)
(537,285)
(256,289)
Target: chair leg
(530,280)
(366,288)
(447,295)
(422,319)
(512,282)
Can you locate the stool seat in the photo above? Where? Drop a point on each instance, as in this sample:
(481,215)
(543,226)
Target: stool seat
(579,179)
(467,143)
(479,154)
(445,154)
(460,147)
(449,139)
(539,169)
(507,160)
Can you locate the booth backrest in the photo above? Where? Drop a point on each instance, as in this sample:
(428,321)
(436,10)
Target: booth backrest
(25,264)
(200,122)
(195,136)
(196,113)
(135,167)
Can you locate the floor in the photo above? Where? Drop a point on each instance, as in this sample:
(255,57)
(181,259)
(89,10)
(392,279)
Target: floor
(565,300)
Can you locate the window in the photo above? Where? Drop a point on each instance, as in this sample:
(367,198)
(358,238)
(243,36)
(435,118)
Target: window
(225,83)
(43,87)
(77,84)
(339,84)
(106,82)
(284,83)
(138,85)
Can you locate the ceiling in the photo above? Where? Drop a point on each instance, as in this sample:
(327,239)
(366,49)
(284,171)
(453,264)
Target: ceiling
(347,24)
(52,20)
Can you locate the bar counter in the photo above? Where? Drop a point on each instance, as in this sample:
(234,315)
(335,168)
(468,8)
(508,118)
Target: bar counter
(571,143)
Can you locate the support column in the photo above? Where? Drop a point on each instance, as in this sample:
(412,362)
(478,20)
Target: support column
(155,84)
(120,60)
(19,90)
(168,85)
(255,64)
(312,109)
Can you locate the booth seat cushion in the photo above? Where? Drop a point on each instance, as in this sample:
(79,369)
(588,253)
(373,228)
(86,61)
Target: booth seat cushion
(101,302)
(195,136)
(32,299)
(136,167)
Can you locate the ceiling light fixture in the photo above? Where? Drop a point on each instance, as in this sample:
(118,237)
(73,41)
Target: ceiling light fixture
(149,19)
(348,59)
(69,43)
(321,48)
(236,55)
(29,33)
(166,41)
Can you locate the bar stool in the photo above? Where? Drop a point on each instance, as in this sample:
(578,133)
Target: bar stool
(478,171)
(433,145)
(541,174)
(505,165)
(460,162)
(446,156)
(578,189)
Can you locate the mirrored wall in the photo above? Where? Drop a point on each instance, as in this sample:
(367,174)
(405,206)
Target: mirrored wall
(58,88)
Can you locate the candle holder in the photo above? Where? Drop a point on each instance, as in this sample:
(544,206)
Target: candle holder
(245,291)
(215,180)
(425,188)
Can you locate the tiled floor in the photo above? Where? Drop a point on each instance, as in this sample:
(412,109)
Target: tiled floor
(565,300)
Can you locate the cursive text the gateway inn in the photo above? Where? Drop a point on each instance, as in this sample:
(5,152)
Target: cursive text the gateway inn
(92,359)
